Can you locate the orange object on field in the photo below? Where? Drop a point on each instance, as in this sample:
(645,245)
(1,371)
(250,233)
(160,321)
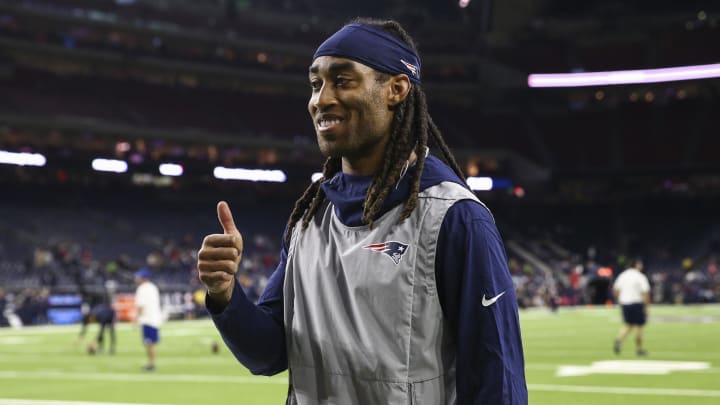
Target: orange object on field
(124,306)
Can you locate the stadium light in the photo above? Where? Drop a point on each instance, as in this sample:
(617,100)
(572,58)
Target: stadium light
(170,169)
(624,76)
(480,183)
(228,173)
(109,165)
(316,176)
(22,158)
(463,3)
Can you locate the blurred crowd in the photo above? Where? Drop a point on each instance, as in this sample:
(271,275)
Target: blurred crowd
(69,267)
(57,247)
(577,265)
(47,249)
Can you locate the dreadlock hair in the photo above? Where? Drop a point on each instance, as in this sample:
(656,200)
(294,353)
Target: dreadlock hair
(410,129)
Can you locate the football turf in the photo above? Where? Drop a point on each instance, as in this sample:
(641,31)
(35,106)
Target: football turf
(569,360)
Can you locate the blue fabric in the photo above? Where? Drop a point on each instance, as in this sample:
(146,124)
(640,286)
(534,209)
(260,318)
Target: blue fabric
(373,47)
(347,191)
(634,314)
(143,273)
(103,313)
(255,334)
(150,334)
(470,264)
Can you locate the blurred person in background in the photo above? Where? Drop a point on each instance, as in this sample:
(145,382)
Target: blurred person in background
(393,284)
(149,314)
(97,307)
(104,315)
(3,304)
(632,293)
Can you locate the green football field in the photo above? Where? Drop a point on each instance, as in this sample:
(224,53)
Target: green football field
(568,361)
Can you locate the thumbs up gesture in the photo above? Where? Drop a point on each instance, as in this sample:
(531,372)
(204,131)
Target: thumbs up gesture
(219,257)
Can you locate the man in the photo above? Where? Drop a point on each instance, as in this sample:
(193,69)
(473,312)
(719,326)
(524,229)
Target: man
(97,307)
(149,314)
(632,292)
(104,315)
(393,285)
(3,304)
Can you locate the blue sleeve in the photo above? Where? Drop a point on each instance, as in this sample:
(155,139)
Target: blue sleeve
(478,300)
(255,334)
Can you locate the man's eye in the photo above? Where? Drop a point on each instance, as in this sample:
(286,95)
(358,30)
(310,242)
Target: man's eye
(341,81)
(315,84)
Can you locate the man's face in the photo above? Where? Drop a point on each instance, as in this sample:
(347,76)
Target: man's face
(349,108)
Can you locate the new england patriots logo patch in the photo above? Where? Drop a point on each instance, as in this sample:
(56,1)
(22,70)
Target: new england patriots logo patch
(412,68)
(394,250)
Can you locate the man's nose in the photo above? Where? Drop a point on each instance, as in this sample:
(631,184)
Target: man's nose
(324,97)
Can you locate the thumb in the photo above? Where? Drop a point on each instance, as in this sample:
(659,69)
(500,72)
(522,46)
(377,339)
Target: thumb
(226,219)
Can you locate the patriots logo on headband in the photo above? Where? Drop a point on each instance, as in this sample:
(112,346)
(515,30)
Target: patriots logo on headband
(394,250)
(412,68)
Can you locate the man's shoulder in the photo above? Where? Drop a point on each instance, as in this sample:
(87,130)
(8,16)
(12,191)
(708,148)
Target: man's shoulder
(448,190)
(631,275)
(146,287)
(621,277)
(436,171)
(635,273)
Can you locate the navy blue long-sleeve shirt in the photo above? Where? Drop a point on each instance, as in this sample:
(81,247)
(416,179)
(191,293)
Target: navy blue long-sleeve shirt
(470,269)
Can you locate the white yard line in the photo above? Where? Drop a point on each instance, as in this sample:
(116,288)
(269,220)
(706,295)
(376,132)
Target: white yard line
(114,360)
(676,392)
(13,401)
(538,351)
(202,324)
(141,377)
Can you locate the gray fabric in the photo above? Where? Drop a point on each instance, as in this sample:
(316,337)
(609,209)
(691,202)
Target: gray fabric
(361,328)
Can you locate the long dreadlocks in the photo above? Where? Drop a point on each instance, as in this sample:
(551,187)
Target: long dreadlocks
(410,130)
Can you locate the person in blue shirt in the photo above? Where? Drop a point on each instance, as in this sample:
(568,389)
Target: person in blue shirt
(393,285)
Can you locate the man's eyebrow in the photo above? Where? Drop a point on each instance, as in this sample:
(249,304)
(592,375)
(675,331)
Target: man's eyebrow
(334,67)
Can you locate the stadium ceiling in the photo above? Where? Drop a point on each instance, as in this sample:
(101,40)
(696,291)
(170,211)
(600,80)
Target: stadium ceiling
(476,59)
(497,42)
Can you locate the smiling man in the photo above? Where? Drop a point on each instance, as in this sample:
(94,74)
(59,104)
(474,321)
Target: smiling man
(393,286)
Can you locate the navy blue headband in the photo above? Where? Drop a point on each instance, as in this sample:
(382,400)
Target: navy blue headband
(372,47)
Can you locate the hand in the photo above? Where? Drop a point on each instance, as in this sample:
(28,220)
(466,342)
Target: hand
(219,257)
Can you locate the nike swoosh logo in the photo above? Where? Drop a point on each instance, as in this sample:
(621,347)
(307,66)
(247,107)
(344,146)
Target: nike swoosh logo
(488,302)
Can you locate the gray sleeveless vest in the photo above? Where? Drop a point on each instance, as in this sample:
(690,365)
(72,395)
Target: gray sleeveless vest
(362,317)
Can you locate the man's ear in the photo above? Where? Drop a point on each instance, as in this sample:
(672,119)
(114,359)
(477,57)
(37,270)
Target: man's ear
(398,89)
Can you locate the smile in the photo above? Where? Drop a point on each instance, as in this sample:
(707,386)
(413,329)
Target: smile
(327,124)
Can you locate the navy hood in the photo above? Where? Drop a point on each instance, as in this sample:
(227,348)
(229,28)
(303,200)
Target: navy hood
(347,191)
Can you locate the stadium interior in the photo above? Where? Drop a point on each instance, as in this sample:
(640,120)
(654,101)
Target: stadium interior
(586,177)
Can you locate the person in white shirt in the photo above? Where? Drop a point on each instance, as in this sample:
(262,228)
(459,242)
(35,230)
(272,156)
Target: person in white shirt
(149,314)
(632,292)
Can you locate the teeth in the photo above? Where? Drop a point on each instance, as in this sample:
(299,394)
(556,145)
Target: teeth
(328,123)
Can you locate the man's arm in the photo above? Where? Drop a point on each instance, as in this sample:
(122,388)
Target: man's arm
(139,304)
(478,300)
(646,295)
(254,333)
